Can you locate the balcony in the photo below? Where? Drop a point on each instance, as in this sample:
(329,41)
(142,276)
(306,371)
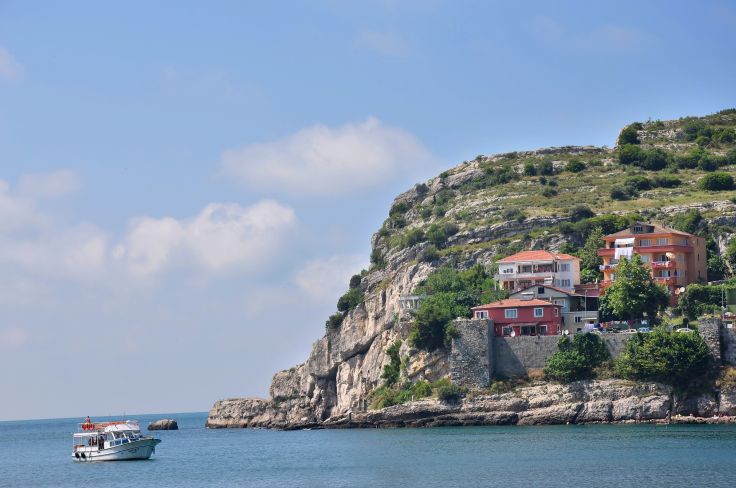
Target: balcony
(663,264)
(610,251)
(667,281)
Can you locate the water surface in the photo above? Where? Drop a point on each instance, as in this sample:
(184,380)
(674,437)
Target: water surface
(37,454)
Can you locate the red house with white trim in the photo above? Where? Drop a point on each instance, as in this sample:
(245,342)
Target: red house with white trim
(516,317)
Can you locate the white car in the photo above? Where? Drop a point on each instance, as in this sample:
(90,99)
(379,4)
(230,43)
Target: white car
(684,329)
(629,331)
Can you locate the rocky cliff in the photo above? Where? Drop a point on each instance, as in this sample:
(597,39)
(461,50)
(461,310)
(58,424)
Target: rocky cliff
(475,213)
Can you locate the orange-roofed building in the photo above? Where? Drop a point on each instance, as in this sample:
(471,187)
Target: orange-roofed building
(529,268)
(675,258)
(521,317)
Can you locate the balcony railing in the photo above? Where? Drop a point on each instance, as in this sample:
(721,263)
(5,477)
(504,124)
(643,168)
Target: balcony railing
(663,264)
(667,281)
(610,251)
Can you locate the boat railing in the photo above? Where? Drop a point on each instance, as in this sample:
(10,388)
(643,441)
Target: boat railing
(100,426)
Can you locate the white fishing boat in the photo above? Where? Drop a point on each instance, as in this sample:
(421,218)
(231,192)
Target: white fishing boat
(112,441)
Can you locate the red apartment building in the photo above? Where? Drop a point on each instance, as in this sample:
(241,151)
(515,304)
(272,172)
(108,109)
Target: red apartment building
(521,317)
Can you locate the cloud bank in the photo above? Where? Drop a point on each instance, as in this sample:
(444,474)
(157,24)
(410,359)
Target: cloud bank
(321,160)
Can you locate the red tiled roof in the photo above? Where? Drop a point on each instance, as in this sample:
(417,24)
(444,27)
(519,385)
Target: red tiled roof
(539,255)
(656,229)
(515,302)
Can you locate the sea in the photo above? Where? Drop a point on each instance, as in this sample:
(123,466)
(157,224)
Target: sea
(37,453)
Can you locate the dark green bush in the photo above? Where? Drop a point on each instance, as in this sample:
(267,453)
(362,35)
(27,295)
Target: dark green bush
(446,391)
(620,193)
(581,212)
(576,359)
(398,208)
(638,183)
(392,370)
(351,299)
(334,321)
(429,254)
(666,181)
(377,258)
(575,166)
(654,159)
(421,189)
(630,154)
(355,281)
(674,358)
(629,134)
(545,168)
(530,169)
(412,236)
(699,299)
(549,192)
(513,214)
(717,181)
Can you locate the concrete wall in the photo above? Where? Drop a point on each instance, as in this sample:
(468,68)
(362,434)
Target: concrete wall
(515,356)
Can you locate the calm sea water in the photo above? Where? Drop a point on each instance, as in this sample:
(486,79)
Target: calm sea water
(37,453)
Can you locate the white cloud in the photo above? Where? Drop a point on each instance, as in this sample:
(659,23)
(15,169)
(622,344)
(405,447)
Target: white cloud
(327,161)
(10,69)
(222,237)
(328,278)
(49,185)
(13,337)
(384,43)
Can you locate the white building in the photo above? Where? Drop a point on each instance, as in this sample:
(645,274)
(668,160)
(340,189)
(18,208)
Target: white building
(528,268)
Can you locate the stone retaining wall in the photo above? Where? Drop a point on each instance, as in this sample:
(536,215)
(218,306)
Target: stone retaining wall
(477,355)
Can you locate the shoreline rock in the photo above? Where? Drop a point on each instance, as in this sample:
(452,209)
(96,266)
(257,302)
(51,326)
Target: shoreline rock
(582,402)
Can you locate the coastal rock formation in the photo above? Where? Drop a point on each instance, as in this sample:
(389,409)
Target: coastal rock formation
(602,401)
(475,212)
(163,424)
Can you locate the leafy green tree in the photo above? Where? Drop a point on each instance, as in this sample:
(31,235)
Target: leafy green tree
(630,154)
(589,259)
(717,269)
(688,221)
(674,358)
(634,293)
(654,159)
(576,359)
(546,168)
(351,299)
(581,212)
(392,370)
(450,294)
(530,169)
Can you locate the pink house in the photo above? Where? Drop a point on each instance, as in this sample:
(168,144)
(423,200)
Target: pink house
(517,317)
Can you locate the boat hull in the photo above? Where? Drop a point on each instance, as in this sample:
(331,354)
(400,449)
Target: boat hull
(141,449)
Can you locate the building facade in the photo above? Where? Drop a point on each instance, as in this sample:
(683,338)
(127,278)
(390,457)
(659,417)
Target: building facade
(514,317)
(577,309)
(529,268)
(675,258)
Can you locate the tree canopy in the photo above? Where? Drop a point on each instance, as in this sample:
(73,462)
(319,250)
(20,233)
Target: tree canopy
(634,294)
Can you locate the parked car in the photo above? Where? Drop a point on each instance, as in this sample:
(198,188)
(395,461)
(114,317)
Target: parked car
(684,329)
(629,331)
(644,330)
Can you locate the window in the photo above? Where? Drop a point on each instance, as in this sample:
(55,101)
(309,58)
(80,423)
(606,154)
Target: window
(662,241)
(645,258)
(481,314)
(539,312)
(645,242)
(540,290)
(557,312)
(564,266)
(578,319)
(542,330)
(564,283)
(638,228)
(507,331)
(507,270)
(510,313)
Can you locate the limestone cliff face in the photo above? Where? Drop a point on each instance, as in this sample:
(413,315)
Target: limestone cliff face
(488,207)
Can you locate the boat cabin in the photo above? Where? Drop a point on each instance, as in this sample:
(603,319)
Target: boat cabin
(96,437)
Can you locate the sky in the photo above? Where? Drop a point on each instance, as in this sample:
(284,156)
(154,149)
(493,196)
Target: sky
(186,187)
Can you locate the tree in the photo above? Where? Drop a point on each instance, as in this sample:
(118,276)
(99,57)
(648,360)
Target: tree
(589,259)
(717,269)
(433,317)
(576,359)
(630,154)
(581,212)
(674,358)
(634,293)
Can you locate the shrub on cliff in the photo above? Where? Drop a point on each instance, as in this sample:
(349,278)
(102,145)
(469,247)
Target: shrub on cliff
(334,321)
(576,358)
(630,134)
(392,370)
(446,391)
(351,299)
(674,358)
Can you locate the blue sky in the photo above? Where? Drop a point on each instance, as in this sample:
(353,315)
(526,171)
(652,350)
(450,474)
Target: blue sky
(185,187)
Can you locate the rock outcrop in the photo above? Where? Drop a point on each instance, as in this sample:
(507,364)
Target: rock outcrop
(603,401)
(163,424)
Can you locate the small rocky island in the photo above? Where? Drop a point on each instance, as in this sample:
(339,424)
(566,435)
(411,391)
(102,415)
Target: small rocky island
(393,355)
(163,424)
